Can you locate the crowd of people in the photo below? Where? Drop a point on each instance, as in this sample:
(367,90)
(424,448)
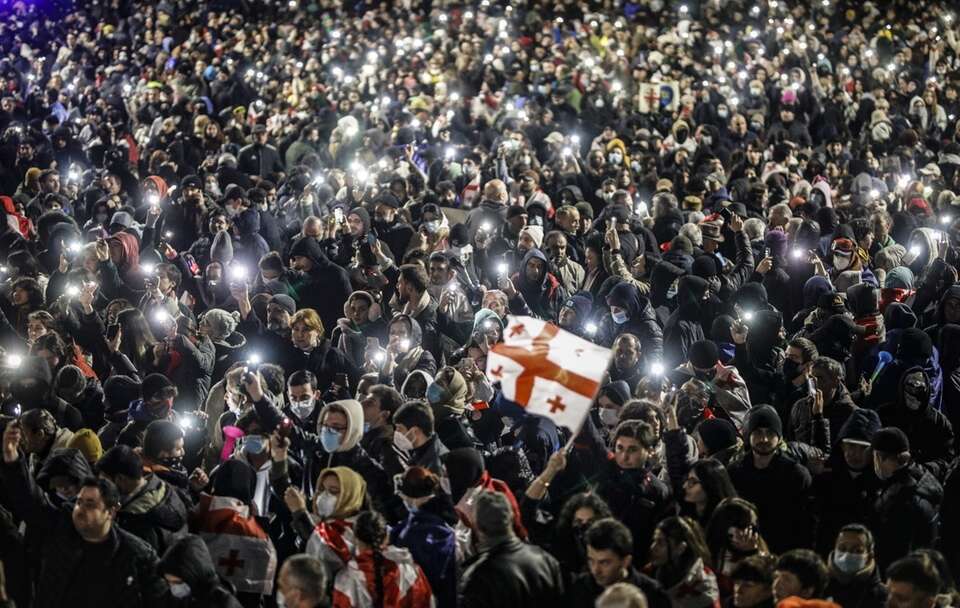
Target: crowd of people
(256,253)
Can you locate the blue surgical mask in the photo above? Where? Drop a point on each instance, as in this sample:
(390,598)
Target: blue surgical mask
(849,563)
(366,427)
(330,439)
(254,444)
(435,394)
(619,317)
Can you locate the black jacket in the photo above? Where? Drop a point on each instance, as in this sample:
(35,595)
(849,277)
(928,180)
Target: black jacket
(641,322)
(189,559)
(862,592)
(511,573)
(904,516)
(122,571)
(782,495)
(584,591)
(639,499)
(155,513)
(325,287)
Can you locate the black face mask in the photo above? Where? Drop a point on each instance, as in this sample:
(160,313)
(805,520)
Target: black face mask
(173,463)
(791,369)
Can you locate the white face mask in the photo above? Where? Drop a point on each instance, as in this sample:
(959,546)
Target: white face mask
(180,590)
(402,442)
(841,262)
(609,416)
(302,409)
(325,504)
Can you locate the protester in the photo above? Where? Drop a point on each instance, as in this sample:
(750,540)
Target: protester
(265,266)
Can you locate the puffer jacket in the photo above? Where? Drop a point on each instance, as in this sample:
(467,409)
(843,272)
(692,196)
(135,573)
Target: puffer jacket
(155,513)
(641,322)
(904,517)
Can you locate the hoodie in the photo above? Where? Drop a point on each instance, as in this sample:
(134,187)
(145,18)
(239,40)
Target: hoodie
(683,328)
(325,287)
(929,431)
(541,298)
(641,322)
(189,559)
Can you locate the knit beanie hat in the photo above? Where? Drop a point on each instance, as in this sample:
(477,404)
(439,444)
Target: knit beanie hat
(900,277)
(70,383)
(717,434)
(704,354)
(704,266)
(221,323)
(118,392)
(88,443)
(535,233)
(154,384)
(762,417)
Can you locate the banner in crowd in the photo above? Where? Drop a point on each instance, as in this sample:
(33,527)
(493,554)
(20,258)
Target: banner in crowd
(548,371)
(242,552)
(659,96)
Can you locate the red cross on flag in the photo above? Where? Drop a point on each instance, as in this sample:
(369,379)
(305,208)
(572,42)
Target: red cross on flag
(547,370)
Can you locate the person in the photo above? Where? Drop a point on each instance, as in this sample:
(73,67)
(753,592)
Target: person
(110,564)
(379,574)
(415,436)
(188,569)
(622,595)
(635,495)
(506,571)
(302,582)
(150,508)
(704,487)
(41,437)
(799,573)
(428,532)
(753,582)
(823,413)
(854,576)
(912,582)
(679,560)
(774,482)
(909,496)
(610,561)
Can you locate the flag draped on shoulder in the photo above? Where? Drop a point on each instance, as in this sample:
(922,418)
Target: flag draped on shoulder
(241,550)
(404,583)
(548,371)
(332,541)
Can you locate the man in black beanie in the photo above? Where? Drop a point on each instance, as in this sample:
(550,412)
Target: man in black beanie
(774,482)
(903,517)
(729,389)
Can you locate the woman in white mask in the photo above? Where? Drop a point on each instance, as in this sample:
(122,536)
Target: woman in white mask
(327,527)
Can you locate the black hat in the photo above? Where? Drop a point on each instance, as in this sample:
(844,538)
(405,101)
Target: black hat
(154,384)
(717,434)
(389,199)
(704,354)
(762,417)
(915,345)
(705,267)
(118,392)
(284,301)
(515,211)
(890,440)
(234,192)
(121,460)
(259,128)
(191,181)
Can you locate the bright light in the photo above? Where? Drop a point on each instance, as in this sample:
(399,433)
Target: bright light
(379,357)
(874,193)
(797,253)
(567,151)
(148,269)
(318,180)
(405,344)
(683,9)
(161,316)
(449,153)
(616,86)
(945,220)
(254,359)
(454,96)
(904,181)
(486,227)
(575,139)
(238,273)
(72,291)
(915,250)
(502,268)
(591,328)
(75,247)
(656,368)
(14,360)
(748,316)
(168,234)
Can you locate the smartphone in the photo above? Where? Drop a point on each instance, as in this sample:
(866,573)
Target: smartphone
(192,264)
(112,330)
(726,214)
(338,215)
(371,239)
(285,428)
(766,252)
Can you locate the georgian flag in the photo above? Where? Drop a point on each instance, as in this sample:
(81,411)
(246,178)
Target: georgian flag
(241,551)
(403,582)
(332,541)
(548,371)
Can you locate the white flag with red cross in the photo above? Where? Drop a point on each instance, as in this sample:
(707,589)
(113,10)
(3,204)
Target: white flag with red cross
(548,371)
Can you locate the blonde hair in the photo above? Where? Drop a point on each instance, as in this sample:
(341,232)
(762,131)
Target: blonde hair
(622,595)
(310,319)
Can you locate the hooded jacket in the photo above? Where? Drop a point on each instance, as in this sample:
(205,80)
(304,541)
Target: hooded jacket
(904,516)
(641,321)
(189,559)
(929,431)
(542,298)
(155,513)
(325,287)
(683,328)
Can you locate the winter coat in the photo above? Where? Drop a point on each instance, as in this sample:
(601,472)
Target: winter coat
(866,591)
(155,513)
(487,212)
(122,571)
(904,516)
(325,287)
(511,573)
(641,322)
(803,426)
(929,432)
(781,492)
(428,534)
(541,299)
(637,498)
(683,328)
(584,590)
(259,160)
(696,589)
(189,559)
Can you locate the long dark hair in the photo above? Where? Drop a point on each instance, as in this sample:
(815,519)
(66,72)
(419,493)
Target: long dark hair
(371,530)
(716,484)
